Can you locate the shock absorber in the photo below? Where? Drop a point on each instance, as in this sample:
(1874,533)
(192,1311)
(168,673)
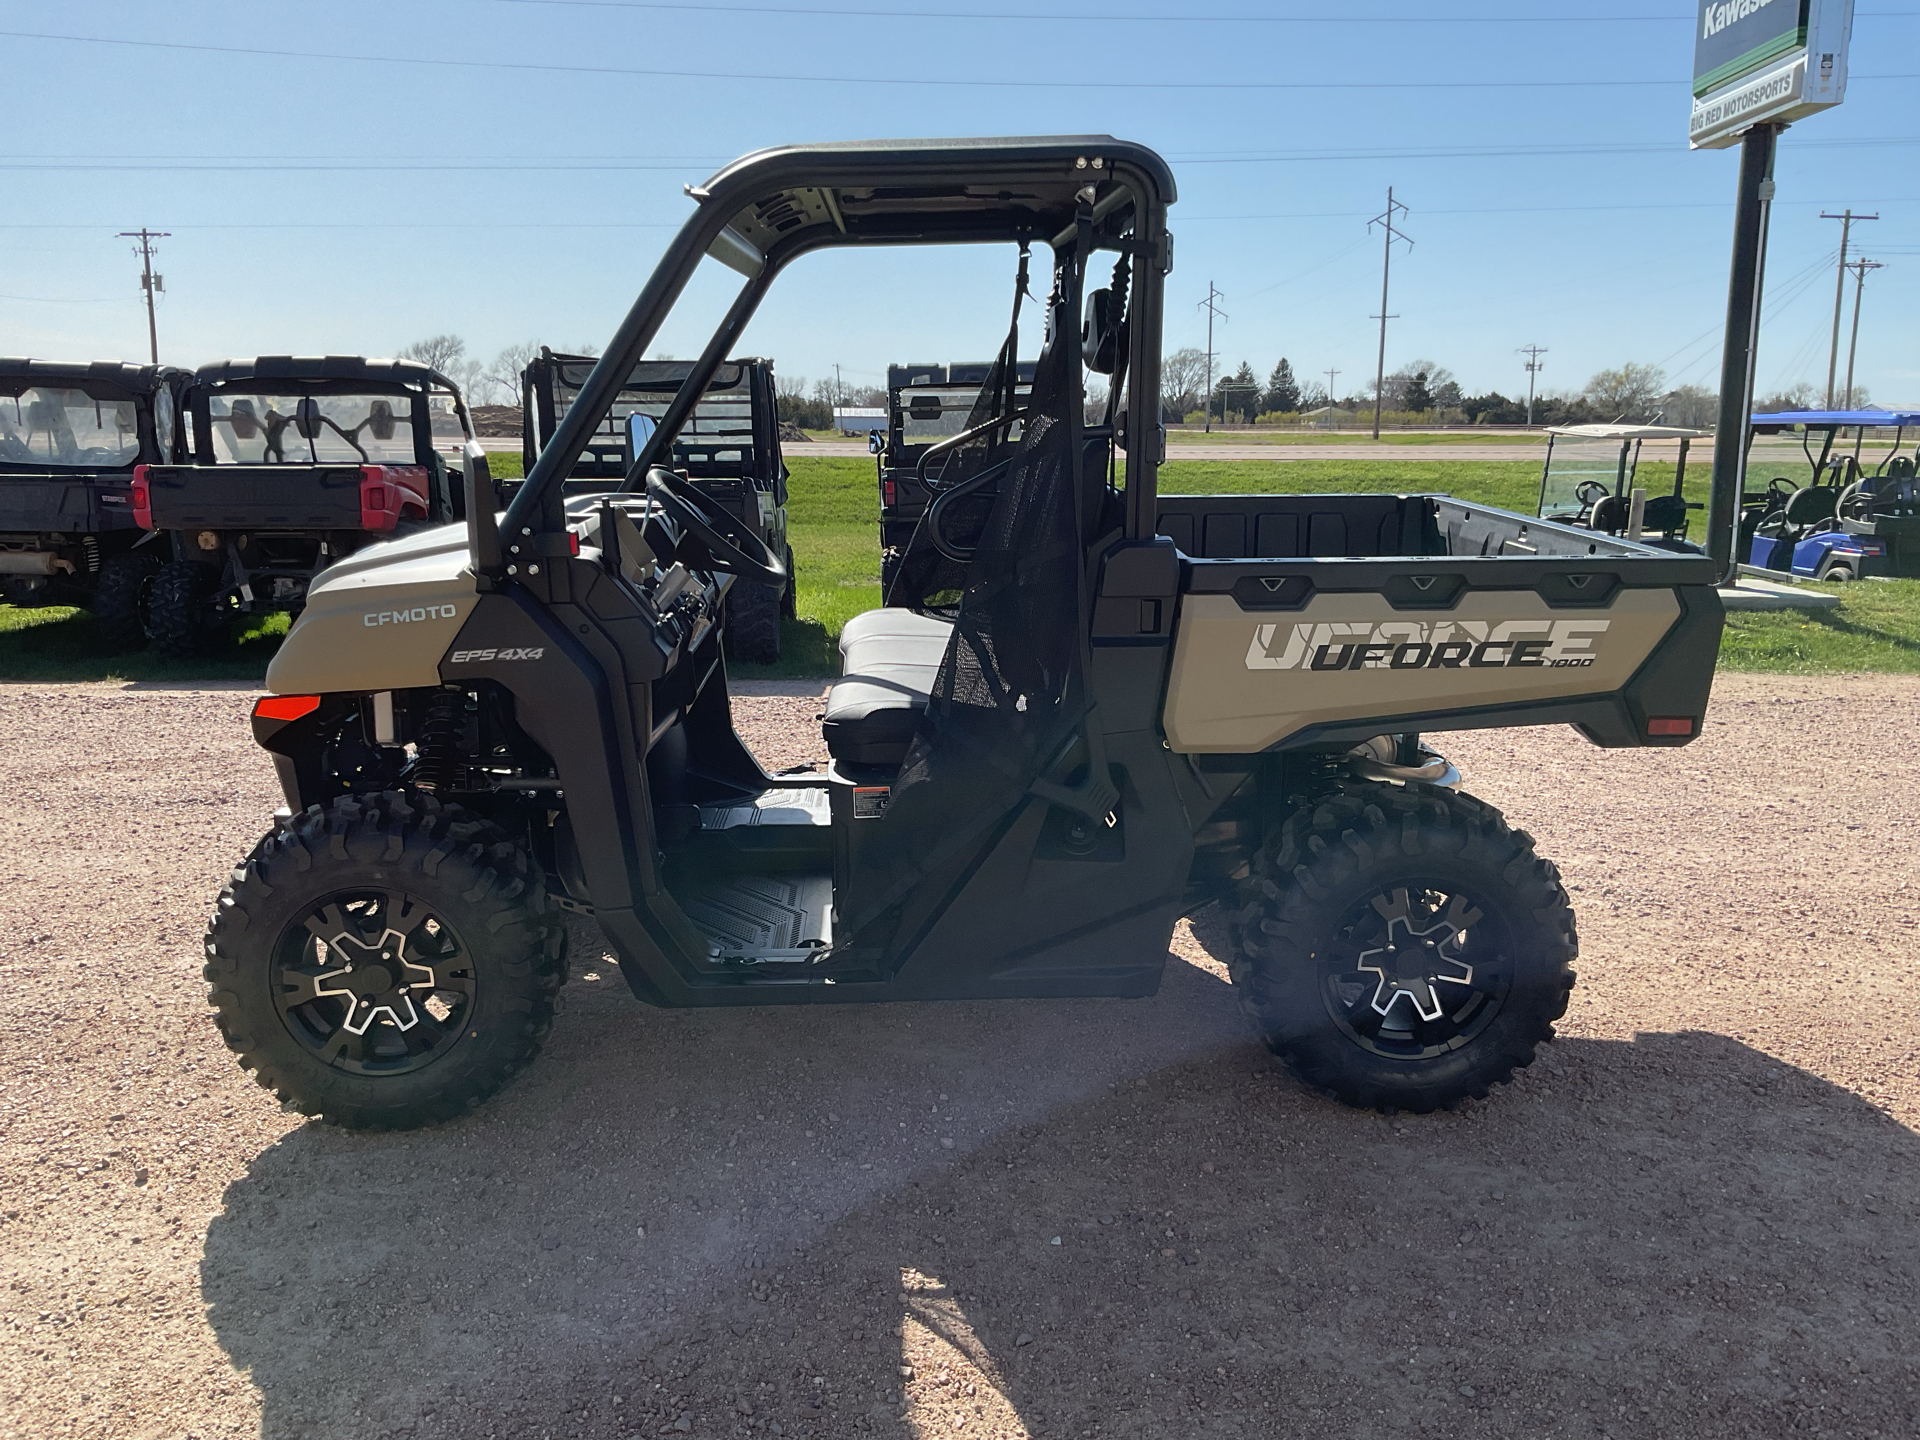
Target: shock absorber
(436,765)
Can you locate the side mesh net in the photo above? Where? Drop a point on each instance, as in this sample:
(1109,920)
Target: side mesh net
(1010,693)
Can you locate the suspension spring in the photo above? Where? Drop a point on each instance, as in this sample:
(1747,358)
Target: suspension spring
(436,764)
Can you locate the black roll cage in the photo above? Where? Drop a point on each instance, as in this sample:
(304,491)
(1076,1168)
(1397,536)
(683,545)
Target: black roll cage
(762,212)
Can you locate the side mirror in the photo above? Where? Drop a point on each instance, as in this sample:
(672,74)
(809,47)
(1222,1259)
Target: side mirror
(876,443)
(246,425)
(379,419)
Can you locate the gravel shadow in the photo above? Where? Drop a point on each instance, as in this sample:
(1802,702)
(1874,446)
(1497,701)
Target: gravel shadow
(1066,1215)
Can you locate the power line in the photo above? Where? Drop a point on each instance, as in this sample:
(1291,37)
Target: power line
(913,81)
(1534,366)
(149,282)
(1860,268)
(1846,220)
(1212,306)
(1108,19)
(1385,221)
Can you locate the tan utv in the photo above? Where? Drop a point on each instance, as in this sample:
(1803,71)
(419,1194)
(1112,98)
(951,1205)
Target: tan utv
(1134,706)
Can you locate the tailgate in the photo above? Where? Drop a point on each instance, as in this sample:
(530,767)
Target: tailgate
(1522,623)
(61,502)
(276,497)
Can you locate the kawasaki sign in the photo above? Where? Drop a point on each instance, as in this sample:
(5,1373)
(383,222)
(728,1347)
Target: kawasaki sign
(1756,60)
(1736,36)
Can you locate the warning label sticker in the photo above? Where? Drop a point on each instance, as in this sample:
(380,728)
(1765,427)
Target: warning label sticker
(870,802)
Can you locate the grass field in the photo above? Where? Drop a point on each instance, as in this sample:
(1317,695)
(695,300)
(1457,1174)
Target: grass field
(1307,436)
(834,520)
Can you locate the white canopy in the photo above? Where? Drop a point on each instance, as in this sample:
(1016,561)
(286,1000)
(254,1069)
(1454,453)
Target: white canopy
(1626,432)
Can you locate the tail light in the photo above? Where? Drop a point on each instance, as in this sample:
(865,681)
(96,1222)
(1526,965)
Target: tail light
(889,494)
(142,499)
(388,491)
(285,707)
(1670,725)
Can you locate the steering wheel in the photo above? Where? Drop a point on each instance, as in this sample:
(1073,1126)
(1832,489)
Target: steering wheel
(1590,492)
(731,547)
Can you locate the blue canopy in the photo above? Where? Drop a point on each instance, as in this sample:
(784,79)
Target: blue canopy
(1820,419)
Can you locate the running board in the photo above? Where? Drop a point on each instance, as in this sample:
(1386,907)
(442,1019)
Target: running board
(766,919)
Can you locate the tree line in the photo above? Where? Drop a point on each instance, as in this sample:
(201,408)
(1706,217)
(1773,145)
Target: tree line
(1425,390)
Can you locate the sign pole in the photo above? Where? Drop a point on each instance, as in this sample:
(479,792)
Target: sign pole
(1741,346)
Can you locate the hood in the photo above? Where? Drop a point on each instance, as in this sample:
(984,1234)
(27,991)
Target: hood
(381,619)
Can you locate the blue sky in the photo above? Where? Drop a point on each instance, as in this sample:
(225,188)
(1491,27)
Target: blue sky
(516,190)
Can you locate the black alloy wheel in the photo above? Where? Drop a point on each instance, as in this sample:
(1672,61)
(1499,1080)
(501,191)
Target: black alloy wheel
(1416,972)
(1402,948)
(373,982)
(385,961)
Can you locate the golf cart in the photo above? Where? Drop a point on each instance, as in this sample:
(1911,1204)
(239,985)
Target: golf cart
(1842,522)
(296,461)
(729,450)
(1144,705)
(71,435)
(929,409)
(1588,480)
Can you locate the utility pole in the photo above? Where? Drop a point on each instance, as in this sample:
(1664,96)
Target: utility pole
(1860,268)
(1846,219)
(1330,375)
(1534,366)
(149,282)
(1386,273)
(1212,306)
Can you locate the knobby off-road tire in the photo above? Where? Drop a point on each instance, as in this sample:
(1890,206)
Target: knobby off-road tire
(790,597)
(122,597)
(1482,942)
(181,616)
(753,622)
(424,927)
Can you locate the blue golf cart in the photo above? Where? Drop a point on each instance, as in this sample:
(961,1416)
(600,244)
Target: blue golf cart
(1842,521)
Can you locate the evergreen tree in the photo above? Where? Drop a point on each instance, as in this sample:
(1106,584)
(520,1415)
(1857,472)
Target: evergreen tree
(1283,391)
(1417,397)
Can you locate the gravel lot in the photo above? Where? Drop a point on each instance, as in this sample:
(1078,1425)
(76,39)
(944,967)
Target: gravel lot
(1695,1217)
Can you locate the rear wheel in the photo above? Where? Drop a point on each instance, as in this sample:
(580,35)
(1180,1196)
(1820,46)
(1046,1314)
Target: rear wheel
(1838,574)
(182,618)
(790,597)
(123,597)
(1402,948)
(753,622)
(385,962)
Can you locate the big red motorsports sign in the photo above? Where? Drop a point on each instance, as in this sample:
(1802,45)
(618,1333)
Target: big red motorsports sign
(1758,60)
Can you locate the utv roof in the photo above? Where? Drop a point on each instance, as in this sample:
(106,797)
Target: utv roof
(321,367)
(1787,419)
(114,372)
(890,191)
(1625,432)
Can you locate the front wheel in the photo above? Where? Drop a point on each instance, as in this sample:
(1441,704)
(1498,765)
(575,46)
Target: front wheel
(384,962)
(1401,948)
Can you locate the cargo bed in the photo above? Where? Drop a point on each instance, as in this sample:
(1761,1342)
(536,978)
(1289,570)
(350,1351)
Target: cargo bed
(1309,620)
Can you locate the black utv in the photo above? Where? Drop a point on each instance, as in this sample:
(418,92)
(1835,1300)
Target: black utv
(1136,707)
(293,462)
(72,436)
(932,411)
(728,450)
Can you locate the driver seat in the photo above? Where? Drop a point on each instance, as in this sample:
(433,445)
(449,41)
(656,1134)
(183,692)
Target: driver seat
(889,660)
